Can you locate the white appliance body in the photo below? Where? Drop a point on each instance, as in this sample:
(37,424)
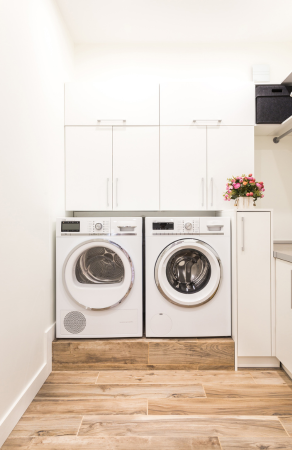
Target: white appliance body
(188,276)
(99,277)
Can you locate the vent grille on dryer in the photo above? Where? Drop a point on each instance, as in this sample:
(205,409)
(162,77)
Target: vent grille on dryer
(74,322)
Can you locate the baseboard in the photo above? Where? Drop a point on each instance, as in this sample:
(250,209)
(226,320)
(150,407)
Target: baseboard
(30,391)
(258,361)
(287,371)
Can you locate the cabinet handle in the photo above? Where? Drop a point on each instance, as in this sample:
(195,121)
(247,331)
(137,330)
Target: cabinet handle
(207,120)
(202,191)
(117,192)
(291,289)
(111,120)
(107,198)
(242,228)
(211,191)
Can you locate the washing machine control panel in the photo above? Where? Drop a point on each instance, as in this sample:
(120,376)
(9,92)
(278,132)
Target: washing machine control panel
(85,226)
(176,226)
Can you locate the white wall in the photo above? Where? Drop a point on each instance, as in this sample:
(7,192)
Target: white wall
(36,59)
(273,163)
(160,62)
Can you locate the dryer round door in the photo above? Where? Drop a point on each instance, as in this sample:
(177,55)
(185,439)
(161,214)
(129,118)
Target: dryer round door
(98,274)
(187,272)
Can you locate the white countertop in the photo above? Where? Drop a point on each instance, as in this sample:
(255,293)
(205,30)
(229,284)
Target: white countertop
(283,251)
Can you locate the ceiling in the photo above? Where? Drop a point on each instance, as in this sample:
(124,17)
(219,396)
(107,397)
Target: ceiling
(177,21)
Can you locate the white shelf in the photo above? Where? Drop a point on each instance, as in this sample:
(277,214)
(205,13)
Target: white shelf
(288,80)
(273,130)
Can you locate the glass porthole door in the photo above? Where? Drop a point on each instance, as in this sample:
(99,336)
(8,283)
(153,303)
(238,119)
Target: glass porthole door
(188,272)
(98,274)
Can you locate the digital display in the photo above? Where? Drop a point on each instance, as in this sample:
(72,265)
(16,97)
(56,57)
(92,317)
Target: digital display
(70,226)
(163,226)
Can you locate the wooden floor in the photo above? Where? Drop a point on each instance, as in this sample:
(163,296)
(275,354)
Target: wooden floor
(158,410)
(144,354)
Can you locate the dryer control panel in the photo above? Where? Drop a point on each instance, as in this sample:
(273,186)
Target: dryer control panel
(99,226)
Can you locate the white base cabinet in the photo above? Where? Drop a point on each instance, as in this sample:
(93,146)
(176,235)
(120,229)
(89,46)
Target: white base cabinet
(254,258)
(284,313)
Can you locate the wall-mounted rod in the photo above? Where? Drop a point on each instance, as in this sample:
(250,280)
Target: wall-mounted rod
(276,140)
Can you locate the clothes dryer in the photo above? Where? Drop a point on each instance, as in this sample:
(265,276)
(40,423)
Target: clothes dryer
(99,277)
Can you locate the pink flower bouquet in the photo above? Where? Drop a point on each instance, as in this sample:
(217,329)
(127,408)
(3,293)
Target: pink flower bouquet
(244,186)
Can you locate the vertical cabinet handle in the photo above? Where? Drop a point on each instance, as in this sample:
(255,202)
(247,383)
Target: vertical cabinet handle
(202,191)
(107,191)
(117,204)
(242,229)
(211,191)
(291,289)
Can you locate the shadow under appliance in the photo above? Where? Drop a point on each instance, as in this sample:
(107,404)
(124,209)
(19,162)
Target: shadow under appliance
(188,281)
(99,277)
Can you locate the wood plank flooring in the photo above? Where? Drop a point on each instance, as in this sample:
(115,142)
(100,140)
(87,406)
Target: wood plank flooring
(158,410)
(143,354)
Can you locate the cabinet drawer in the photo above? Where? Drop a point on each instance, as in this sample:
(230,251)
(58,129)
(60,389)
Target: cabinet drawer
(111,104)
(207,103)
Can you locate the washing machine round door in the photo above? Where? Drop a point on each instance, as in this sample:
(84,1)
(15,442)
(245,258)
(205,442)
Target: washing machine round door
(98,274)
(188,272)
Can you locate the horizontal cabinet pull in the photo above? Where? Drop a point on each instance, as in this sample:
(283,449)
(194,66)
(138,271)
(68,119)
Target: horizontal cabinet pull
(207,120)
(111,120)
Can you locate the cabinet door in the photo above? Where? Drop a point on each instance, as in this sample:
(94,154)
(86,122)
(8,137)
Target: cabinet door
(136,168)
(284,313)
(182,168)
(230,152)
(111,104)
(206,102)
(88,168)
(254,283)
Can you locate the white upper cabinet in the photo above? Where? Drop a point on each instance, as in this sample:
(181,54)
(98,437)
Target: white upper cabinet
(88,168)
(135,168)
(228,102)
(182,168)
(254,283)
(111,104)
(230,152)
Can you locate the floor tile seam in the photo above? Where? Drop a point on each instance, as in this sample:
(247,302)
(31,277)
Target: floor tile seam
(80,425)
(283,426)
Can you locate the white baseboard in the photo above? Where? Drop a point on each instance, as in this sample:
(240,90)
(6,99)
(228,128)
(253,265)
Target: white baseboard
(258,361)
(287,371)
(29,392)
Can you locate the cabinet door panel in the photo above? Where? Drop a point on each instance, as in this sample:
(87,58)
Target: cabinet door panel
(111,103)
(182,168)
(136,168)
(88,168)
(284,313)
(207,101)
(254,284)
(230,152)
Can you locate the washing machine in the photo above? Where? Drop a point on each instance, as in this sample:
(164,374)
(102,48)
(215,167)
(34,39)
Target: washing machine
(188,276)
(99,277)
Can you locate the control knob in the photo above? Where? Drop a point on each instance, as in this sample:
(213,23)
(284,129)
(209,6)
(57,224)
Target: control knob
(188,226)
(98,226)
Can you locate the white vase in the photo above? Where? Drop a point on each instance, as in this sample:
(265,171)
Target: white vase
(244,203)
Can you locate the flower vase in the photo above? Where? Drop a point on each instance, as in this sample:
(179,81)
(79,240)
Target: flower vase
(244,203)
